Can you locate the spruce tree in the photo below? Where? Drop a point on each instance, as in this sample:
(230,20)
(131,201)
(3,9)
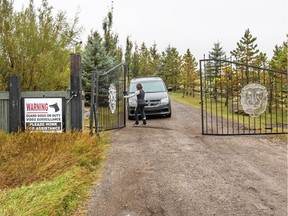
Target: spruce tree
(217,52)
(95,58)
(214,67)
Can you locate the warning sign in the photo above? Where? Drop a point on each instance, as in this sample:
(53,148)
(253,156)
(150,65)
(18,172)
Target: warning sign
(43,114)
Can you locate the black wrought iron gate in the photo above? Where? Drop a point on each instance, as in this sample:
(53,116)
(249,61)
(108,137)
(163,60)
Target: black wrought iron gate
(238,99)
(107,106)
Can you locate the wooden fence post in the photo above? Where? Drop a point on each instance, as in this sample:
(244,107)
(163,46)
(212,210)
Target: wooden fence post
(76,92)
(14,104)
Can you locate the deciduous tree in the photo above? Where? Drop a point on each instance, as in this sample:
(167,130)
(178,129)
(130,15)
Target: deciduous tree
(35,45)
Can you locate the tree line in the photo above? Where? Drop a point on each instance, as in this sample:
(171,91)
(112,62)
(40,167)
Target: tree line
(35,45)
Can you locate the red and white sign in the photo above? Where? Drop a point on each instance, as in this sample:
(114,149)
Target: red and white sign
(43,114)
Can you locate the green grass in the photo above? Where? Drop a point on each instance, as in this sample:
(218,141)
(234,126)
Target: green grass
(48,174)
(189,100)
(226,113)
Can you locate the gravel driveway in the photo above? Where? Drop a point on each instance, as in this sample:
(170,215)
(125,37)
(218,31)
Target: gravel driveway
(170,168)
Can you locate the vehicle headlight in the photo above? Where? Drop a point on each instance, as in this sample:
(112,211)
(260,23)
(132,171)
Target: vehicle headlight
(164,101)
(132,103)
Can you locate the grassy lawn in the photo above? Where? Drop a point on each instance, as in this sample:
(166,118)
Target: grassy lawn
(189,100)
(225,112)
(48,174)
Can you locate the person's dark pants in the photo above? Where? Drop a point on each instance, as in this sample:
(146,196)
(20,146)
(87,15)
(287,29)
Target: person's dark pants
(140,109)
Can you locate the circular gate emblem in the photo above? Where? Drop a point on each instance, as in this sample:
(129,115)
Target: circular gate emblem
(112,98)
(254,99)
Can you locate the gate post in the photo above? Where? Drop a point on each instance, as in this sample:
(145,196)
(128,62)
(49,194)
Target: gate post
(125,92)
(14,104)
(76,92)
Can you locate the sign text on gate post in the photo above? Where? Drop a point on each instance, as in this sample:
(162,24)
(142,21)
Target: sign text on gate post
(43,114)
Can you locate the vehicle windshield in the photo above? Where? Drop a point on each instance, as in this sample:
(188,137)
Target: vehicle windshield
(149,86)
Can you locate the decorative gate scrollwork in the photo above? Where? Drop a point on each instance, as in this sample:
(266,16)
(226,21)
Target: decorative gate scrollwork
(107,105)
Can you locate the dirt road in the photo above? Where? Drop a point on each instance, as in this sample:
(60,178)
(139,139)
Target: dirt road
(169,168)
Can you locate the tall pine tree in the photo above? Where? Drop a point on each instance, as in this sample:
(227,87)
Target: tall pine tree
(246,51)
(171,67)
(135,63)
(111,40)
(155,60)
(144,60)
(279,60)
(128,55)
(189,74)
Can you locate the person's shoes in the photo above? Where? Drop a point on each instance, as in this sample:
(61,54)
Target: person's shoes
(136,124)
(144,122)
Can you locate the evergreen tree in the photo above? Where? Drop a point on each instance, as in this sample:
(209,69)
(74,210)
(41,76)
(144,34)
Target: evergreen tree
(95,58)
(189,74)
(246,50)
(214,67)
(279,60)
(171,67)
(128,55)
(144,61)
(217,52)
(247,53)
(135,63)
(155,60)
(101,54)
(111,40)
(227,85)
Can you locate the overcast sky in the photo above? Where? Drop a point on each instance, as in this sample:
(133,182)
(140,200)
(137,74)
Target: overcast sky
(184,24)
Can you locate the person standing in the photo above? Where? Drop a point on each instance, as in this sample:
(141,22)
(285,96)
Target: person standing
(140,94)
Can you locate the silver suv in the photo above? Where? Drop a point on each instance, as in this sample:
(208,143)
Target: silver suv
(156,97)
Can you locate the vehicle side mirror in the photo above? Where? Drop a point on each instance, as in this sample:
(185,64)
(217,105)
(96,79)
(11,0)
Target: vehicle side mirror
(169,89)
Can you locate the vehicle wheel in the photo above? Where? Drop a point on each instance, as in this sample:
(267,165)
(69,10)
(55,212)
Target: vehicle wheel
(169,115)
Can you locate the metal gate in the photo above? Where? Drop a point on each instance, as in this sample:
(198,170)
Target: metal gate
(107,106)
(238,99)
